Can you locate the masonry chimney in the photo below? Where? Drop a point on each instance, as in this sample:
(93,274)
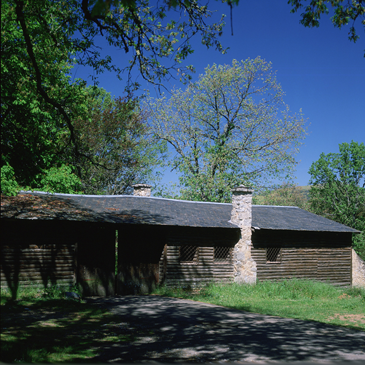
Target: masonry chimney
(241,215)
(142,190)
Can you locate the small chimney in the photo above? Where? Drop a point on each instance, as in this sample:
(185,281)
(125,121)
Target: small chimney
(142,190)
(241,215)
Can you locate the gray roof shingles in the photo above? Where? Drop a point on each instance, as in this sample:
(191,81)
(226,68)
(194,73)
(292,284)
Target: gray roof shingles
(293,218)
(157,211)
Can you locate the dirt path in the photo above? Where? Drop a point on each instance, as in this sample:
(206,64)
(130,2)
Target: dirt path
(187,331)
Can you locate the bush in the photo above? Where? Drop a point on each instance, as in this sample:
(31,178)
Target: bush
(9,185)
(358,243)
(59,180)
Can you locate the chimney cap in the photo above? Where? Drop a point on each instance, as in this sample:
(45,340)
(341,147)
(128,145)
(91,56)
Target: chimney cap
(242,189)
(141,186)
(142,190)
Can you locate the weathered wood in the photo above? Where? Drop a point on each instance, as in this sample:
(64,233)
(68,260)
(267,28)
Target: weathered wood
(29,262)
(204,270)
(323,256)
(36,273)
(46,268)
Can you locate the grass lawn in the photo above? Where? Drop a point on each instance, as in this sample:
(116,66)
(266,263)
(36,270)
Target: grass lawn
(302,299)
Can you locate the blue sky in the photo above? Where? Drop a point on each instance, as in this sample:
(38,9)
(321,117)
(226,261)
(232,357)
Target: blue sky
(320,70)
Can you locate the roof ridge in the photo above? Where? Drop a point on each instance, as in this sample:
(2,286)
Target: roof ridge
(120,196)
(275,206)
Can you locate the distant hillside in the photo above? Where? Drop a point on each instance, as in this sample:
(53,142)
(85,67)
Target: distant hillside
(285,195)
(304,190)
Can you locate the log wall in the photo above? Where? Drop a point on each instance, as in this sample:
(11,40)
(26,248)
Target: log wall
(31,264)
(203,270)
(35,254)
(58,252)
(322,256)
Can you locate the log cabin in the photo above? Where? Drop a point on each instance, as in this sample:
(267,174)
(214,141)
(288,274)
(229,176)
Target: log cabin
(131,243)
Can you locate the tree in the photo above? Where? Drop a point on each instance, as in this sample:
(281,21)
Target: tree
(117,144)
(228,128)
(31,123)
(284,195)
(344,13)
(338,188)
(146,32)
(42,40)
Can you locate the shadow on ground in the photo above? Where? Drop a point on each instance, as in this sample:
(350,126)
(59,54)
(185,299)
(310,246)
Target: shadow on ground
(181,330)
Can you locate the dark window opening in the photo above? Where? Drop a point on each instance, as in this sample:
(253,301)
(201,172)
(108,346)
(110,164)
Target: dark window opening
(189,254)
(222,254)
(273,254)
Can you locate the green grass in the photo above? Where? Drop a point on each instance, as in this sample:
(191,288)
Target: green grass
(42,326)
(302,299)
(34,293)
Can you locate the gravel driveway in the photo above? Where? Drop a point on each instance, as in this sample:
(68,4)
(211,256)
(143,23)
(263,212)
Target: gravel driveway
(187,331)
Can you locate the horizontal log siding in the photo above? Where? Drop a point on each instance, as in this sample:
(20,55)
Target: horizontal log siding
(58,252)
(322,256)
(32,264)
(204,270)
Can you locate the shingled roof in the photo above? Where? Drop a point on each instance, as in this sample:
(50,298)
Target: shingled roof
(293,218)
(129,209)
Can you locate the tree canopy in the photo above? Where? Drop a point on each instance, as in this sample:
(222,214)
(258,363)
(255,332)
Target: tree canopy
(37,103)
(338,188)
(230,127)
(345,13)
(117,148)
(285,194)
(43,40)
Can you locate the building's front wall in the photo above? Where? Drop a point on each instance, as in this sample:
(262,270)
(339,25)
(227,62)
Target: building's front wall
(68,252)
(34,253)
(322,256)
(62,253)
(189,257)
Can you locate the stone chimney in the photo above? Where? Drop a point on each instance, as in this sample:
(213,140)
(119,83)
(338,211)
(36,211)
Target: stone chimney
(142,190)
(244,265)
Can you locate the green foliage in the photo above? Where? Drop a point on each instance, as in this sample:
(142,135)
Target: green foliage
(58,291)
(284,195)
(338,189)
(116,146)
(34,292)
(231,127)
(344,13)
(43,40)
(358,241)
(59,180)
(9,185)
(34,94)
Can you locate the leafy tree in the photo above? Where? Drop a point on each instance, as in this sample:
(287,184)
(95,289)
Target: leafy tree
(42,40)
(9,185)
(116,144)
(228,128)
(59,180)
(31,118)
(345,12)
(338,188)
(284,195)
